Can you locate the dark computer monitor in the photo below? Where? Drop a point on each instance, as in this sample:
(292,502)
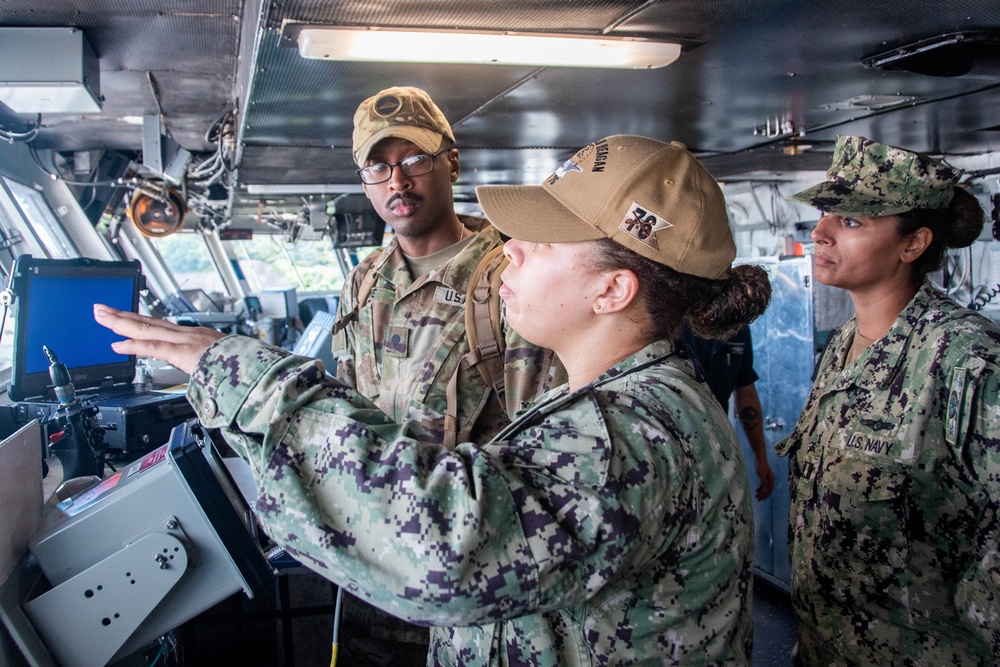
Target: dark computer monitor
(356,223)
(54,307)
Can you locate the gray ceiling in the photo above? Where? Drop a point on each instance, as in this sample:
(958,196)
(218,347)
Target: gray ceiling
(748,67)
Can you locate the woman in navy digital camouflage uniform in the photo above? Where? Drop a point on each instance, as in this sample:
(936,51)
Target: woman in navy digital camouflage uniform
(610,523)
(895,461)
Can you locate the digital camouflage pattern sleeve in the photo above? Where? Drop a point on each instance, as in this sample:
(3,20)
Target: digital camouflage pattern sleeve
(608,525)
(974,421)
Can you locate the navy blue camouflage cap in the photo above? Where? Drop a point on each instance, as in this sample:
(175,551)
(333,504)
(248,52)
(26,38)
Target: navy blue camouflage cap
(871,179)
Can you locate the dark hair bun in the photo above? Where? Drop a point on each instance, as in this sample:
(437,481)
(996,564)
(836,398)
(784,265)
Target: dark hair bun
(743,297)
(967,220)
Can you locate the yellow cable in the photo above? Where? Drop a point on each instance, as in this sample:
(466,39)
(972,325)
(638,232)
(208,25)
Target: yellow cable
(336,626)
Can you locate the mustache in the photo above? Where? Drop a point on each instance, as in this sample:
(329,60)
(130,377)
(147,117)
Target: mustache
(404,197)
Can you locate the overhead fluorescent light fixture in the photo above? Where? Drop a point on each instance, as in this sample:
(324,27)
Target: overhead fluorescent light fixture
(484,48)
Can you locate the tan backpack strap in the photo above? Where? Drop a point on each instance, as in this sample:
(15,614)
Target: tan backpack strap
(342,323)
(482,320)
(451,410)
(364,291)
(452,436)
(485,336)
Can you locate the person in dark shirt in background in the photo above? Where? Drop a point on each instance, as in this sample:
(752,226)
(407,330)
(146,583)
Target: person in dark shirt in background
(727,366)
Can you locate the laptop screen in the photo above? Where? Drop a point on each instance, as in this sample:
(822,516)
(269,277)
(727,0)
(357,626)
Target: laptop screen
(54,308)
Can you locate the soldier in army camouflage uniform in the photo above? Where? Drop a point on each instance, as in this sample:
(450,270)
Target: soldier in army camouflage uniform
(404,344)
(610,523)
(894,461)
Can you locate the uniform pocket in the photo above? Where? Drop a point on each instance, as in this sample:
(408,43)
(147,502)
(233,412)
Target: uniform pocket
(862,526)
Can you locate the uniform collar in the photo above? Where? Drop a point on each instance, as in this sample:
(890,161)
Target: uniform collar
(454,273)
(650,355)
(878,365)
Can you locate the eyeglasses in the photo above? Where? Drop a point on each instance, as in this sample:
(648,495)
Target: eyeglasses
(415,165)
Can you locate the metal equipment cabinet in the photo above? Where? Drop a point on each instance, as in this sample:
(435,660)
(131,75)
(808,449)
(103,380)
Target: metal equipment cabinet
(785,341)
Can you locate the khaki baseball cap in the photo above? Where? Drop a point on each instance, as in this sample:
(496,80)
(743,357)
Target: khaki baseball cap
(652,197)
(871,179)
(405,112)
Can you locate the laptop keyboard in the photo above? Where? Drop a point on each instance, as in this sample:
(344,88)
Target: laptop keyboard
(125,390)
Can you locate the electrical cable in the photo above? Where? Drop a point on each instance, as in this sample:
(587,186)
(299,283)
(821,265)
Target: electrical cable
(214,132)
(204,169)
(199,204)
(336,626)
(954,265)
(11,137)
(26,136)
(214,167)
(159,654)
(93,197)
(58,177)
(985,297)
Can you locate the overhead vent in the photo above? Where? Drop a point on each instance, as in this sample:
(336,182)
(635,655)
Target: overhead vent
(974,54)
(48,70)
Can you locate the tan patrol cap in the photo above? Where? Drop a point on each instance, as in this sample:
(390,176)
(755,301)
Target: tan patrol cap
(652,197)
(403,111)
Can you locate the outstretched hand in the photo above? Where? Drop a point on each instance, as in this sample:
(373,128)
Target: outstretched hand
(180,346)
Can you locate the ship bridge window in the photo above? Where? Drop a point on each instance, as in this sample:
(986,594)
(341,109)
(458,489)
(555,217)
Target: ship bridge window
(189,261)
(13,239)
(40,220)
(268,261)
(29,224)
